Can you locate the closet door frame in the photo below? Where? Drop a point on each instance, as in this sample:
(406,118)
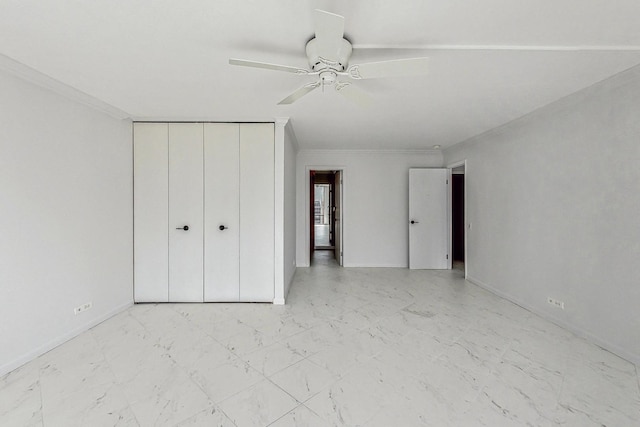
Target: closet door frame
(257,212)
(245,187)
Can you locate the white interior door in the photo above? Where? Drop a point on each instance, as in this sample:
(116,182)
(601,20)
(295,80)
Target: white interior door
(429,229)
(257,212)
(222,212)
(338,217)
(150,219)
(186,212)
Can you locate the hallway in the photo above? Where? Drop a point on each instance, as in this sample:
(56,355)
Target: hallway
(324,258)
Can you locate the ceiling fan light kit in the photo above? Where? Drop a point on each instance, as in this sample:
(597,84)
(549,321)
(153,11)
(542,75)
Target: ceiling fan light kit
(328,55)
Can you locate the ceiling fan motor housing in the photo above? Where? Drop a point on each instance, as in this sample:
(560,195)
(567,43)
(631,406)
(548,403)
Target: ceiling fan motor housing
(339,62)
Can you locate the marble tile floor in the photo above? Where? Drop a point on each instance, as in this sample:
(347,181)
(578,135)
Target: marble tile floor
(353,347)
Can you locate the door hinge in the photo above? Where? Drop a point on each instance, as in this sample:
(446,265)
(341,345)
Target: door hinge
(447,256)
(447,182)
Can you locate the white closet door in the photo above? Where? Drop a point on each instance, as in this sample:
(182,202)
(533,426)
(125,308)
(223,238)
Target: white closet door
(186,210)
(257,212)
(150,185)
(222,209)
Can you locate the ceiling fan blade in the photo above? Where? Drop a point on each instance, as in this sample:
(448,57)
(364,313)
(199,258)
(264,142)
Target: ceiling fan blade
(394,68)
(267,66)
(354,94)
(329,33)
(299,93)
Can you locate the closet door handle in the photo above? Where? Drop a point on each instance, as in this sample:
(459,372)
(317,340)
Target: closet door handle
(414,222)
(185,228)
(222,228)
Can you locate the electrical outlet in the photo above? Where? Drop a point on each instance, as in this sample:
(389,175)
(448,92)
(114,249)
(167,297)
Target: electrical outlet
(84,307)
(555,303)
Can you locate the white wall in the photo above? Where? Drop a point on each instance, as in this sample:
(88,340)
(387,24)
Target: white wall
(66,215)
(554,203)
(376,203)
(290,151)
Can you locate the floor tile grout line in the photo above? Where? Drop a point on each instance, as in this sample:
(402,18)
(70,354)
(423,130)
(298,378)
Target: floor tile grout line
(40,394)
(116,383)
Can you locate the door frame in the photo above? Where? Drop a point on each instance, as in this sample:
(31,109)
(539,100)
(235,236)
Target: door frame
(311,246)
(466,222)
(307,206)
(338,236)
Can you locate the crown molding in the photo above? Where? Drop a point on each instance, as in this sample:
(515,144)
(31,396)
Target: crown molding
(289,129)
(197,119)
(34,76)
(369,151)
(533,48)
(281,121)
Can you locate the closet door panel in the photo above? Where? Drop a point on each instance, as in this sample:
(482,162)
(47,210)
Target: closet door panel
(221,201)
(186,209)
(256,212)
(150,219)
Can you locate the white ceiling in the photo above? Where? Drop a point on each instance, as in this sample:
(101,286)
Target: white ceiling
(491,60)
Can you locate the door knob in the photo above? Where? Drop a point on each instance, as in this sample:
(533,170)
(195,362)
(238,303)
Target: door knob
(222,228)
(185,228)
(414,222)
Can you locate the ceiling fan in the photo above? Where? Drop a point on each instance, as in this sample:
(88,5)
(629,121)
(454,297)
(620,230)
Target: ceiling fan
(328,54)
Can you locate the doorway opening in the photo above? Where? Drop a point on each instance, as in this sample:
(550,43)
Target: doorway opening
(325,231)
(323,216)
(458,241)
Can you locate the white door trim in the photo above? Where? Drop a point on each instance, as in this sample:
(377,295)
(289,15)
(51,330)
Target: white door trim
(337,211)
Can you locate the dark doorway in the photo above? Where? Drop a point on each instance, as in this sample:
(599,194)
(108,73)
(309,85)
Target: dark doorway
(325,215)
(457,214)
(323,197)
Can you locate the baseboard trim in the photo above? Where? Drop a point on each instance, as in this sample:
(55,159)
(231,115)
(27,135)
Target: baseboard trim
(348,265)
(375,265)
(288,287)
(613,348)
(14,364)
